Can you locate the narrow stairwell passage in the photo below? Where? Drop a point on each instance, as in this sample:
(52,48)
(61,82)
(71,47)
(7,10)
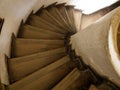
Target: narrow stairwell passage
(41,56)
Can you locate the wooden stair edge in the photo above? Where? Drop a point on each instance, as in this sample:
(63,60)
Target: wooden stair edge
(53,50)
(27,39)
(68,80)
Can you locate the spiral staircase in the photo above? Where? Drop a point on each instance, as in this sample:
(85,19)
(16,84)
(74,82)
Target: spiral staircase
(41,55)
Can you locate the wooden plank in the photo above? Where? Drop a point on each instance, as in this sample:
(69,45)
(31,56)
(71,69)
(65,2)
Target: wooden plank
(63,11)
(18,69)
(49,17)
(70,11)
(68,80)
(31,32)
(75,80)
(41,23)
(23,47)
(45,77)
(56,14)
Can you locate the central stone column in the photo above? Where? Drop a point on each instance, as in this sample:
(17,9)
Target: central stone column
(98,46)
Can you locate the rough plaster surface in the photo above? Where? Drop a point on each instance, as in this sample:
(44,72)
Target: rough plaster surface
(92,45)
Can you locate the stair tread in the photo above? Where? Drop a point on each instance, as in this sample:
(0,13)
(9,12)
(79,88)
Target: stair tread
(56,14)
(75,80)
(39,54)
(70,11)
(23,47)
(49,17)
(19,69)
(77,18)
(68,80)
(28,31)
(39,77)
(42,41)
(65,15)
(41,23)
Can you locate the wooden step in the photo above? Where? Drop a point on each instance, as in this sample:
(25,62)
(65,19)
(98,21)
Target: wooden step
(45,78)
(22,47)
(70,11)
(77,18)
(68,80)
(22,67)
(41,23)
(63,11)
(56,14)
(75,80)
(49,17)
(31,32)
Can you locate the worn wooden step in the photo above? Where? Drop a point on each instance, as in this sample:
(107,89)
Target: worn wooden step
(41,23)
(77,18)
(75,80)
(49,17)
(68,80)
(18,69)
(45,78)
(22,47)
(63,11)
(56,14)
(70,11)
(31,32)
